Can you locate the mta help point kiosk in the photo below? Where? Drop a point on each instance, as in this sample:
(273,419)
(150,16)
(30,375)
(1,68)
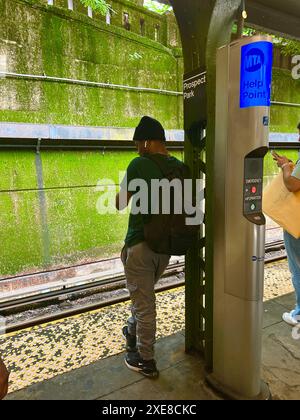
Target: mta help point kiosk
(244,73)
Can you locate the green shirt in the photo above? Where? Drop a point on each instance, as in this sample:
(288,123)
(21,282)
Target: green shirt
(296,172)
(145,169)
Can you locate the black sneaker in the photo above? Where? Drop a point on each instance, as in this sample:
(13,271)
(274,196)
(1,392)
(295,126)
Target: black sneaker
(146,367)
(130,340)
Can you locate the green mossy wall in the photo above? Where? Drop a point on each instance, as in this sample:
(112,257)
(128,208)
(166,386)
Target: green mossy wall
(20,233)
(75,230)
(57,42)
(284,119)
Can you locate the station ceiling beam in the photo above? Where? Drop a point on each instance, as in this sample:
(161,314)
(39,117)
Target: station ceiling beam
(277,16)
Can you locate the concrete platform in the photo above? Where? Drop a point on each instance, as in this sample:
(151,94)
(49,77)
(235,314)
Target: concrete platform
(281,352)
(182,376)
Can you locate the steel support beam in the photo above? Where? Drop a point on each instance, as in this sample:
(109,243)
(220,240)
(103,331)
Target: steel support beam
(204,26)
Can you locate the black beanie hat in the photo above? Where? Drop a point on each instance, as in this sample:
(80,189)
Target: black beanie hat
(149,129)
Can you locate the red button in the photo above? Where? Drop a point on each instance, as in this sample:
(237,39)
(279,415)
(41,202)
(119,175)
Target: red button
(253,190)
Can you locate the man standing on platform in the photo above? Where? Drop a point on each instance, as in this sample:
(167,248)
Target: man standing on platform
(143,267)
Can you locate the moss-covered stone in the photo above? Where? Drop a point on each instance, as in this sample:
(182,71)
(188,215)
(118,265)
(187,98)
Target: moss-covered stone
(76,232)
(60,43)
(285,119)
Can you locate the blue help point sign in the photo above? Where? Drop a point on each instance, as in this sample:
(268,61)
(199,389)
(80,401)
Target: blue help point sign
(256,74)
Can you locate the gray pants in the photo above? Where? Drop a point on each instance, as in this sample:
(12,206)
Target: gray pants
(143,268)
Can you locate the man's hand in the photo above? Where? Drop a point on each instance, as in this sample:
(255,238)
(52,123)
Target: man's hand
(4,375)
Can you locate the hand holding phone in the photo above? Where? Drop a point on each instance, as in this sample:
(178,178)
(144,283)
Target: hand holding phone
(281,160)
(275,155)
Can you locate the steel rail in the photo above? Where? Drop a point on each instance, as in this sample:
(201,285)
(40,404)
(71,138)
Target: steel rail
(275,246)
(65,187)
(87,83)
(81,310)
(284,145)
(291,104)
(40,144)
(95,262)
(14,305)
(56,270)
(111,85)
(93,307)
(19,303)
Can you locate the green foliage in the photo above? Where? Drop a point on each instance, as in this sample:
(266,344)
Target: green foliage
(99,6)
(246,31)
(156,7)
(288,47)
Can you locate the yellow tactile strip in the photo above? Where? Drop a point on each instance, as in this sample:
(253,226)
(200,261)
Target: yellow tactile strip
(42,352)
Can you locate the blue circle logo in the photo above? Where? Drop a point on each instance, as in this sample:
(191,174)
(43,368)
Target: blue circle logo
(254,61)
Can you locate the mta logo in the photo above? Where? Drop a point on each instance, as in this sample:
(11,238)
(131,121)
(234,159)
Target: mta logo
(254,60)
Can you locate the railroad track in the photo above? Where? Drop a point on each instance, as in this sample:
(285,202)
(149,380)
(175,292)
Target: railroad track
(275,247)
(69,291)
(13,307)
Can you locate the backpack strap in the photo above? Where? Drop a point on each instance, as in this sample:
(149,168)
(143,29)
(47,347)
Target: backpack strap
(185,171)
(165,171)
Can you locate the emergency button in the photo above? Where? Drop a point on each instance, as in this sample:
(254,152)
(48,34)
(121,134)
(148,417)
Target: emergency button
(254,190)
